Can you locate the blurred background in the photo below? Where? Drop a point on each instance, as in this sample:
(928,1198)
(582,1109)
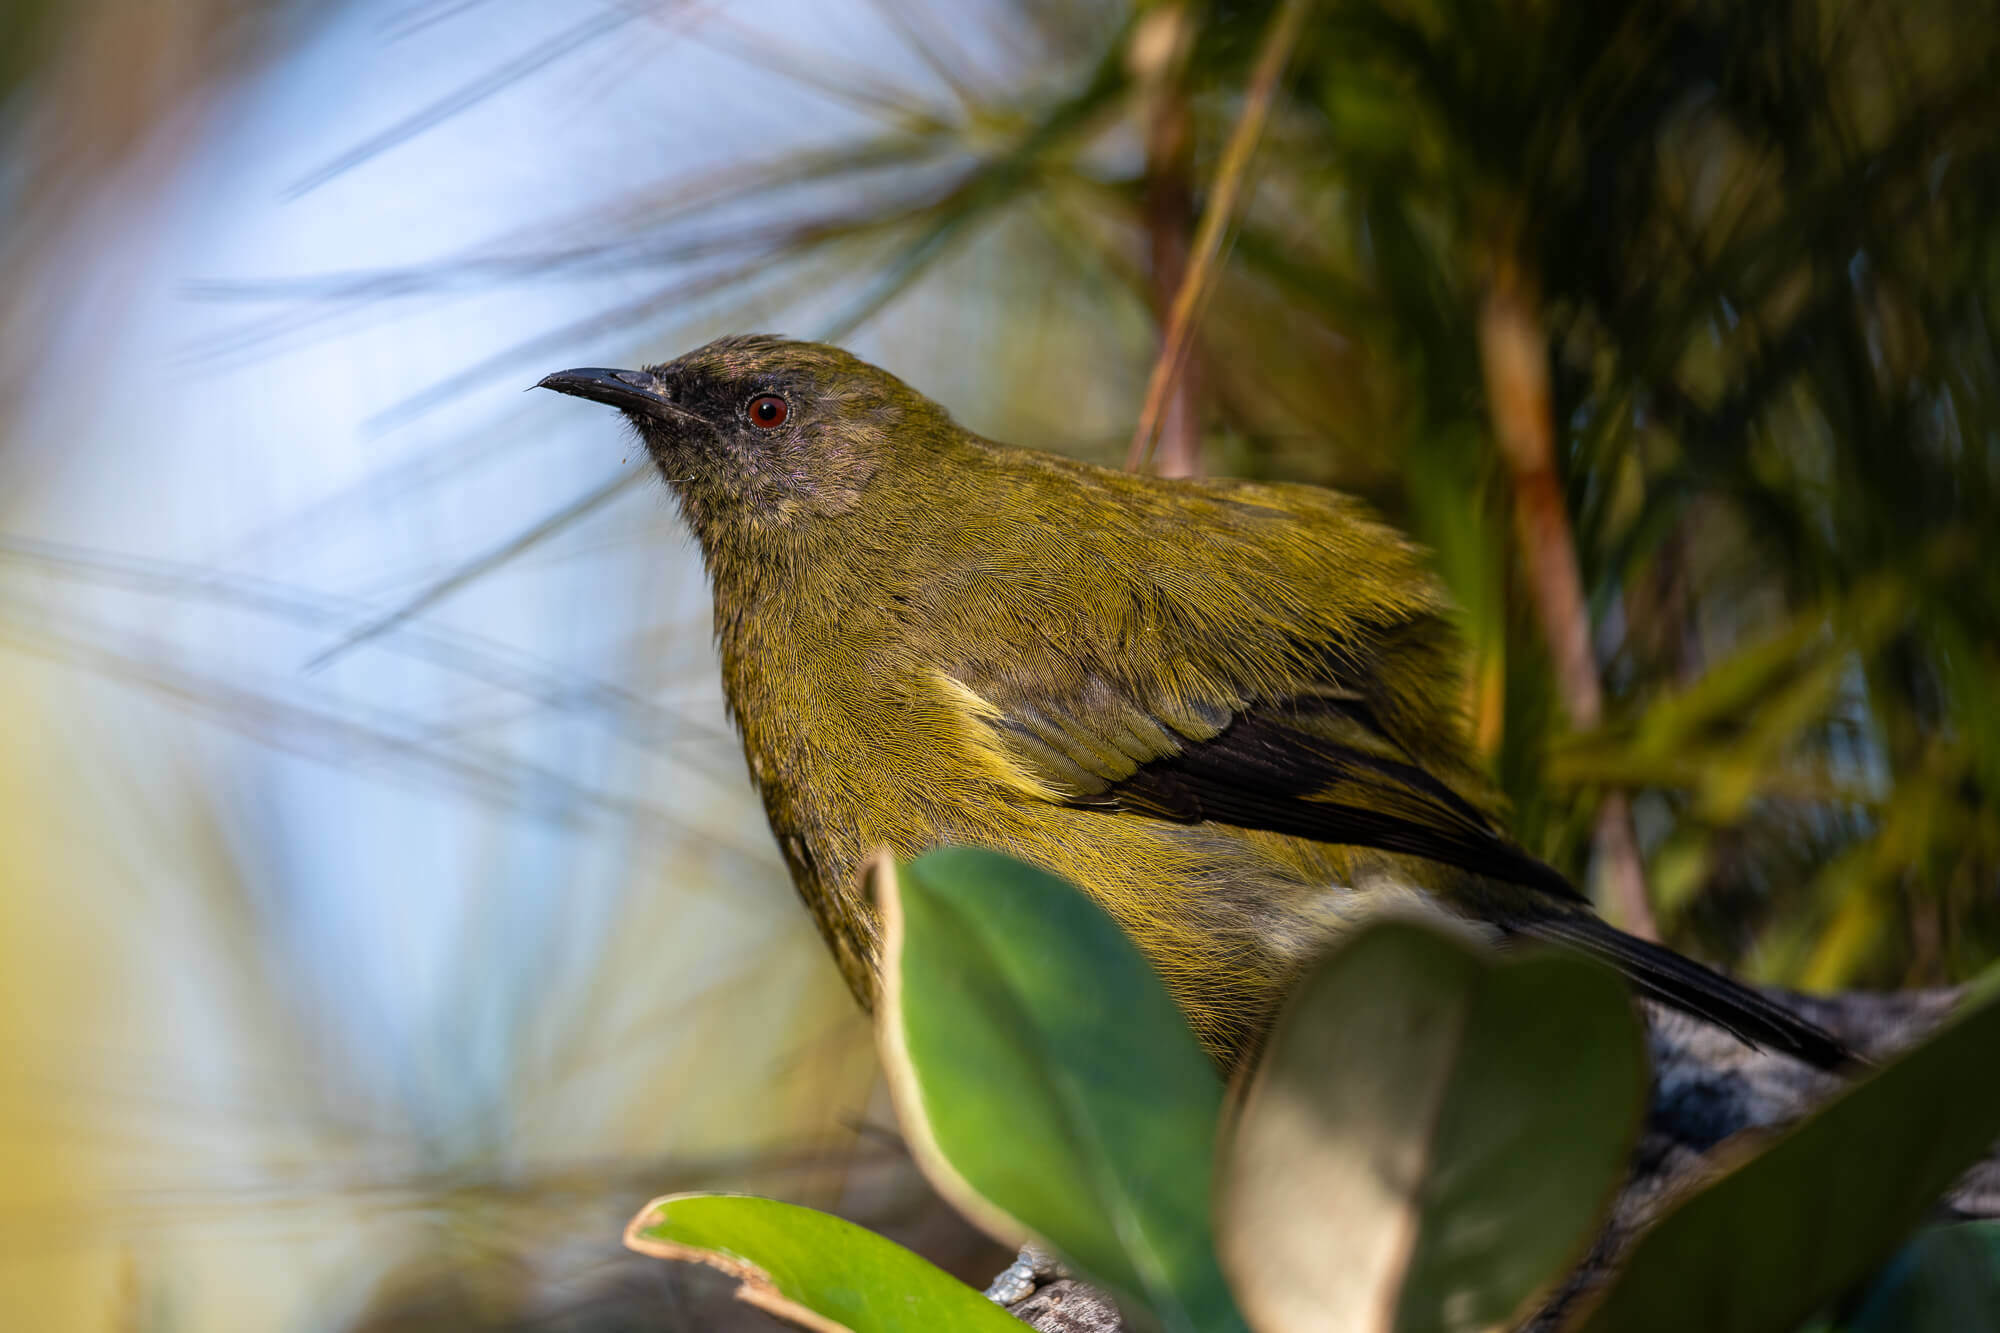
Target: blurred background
(384,912)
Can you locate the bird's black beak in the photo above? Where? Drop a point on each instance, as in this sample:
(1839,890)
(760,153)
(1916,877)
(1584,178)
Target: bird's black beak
(627,390)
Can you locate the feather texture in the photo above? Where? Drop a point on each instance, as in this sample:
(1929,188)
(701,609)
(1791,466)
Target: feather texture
(1229,710)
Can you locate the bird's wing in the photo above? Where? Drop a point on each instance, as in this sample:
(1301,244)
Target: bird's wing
(1317,765)
(1314,764)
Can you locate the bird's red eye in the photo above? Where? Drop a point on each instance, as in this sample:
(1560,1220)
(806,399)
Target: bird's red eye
(769,411)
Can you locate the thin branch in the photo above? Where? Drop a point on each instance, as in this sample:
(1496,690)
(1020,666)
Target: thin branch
(1169,214)
(1276,49)
(1513,349)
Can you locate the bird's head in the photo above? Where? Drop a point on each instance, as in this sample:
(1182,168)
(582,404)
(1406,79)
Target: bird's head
(758,434)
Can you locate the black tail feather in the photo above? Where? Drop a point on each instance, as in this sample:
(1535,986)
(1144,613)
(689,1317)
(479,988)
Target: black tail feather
(1661,974)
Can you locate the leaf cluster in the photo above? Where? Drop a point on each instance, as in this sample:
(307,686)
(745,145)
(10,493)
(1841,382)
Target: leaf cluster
(1429,1140)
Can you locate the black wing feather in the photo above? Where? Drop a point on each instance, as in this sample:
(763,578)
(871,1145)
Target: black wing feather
(1263,771)
(1682,983)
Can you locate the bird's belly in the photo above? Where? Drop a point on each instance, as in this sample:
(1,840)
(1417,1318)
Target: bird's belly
(1228,916)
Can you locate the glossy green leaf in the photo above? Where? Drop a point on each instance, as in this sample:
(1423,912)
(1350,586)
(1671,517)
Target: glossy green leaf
(1047,1083)
(1946,1280)
(1790,1229)
(1431,1137)
(814,1269)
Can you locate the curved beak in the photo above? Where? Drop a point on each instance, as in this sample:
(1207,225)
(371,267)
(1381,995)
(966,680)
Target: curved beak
(627,390)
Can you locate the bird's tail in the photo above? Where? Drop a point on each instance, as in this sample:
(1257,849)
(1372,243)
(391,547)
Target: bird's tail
(1661,974)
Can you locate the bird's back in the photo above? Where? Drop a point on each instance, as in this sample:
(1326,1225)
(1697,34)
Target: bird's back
(1039,632)
(1230,711)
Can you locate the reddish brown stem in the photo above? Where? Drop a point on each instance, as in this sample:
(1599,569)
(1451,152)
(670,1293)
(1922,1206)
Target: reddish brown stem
(1169,227)
(1514,356)
(1177,340)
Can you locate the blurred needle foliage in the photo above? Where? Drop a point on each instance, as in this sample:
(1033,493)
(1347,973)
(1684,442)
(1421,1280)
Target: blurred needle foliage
(1758,245)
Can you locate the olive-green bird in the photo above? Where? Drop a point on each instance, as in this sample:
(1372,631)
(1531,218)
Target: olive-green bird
(1229,710)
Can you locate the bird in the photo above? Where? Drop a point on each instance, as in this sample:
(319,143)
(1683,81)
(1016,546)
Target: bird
(1230,711)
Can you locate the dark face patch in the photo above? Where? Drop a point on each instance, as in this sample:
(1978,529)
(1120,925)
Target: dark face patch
(771,433)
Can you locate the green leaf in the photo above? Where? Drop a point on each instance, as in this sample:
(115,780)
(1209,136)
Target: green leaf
(1047,1084)
(1788,1230)
(1432,1136)
(1947,1280)
(814,1269)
